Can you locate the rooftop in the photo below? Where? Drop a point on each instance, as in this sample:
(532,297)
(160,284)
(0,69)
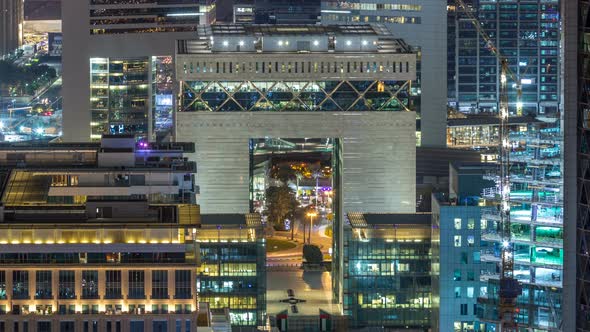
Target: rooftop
(366,220)
(231,219)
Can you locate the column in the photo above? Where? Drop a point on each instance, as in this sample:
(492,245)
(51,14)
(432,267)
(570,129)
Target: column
(171,286)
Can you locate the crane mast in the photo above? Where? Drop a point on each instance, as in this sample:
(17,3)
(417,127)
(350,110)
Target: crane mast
(510,289)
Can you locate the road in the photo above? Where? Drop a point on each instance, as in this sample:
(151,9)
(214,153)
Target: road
(293,256)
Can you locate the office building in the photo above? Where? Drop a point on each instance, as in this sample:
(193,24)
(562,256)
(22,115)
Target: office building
(460,275)
(387,271)
(232,266)
(277,12)
(527,34)
(577,181)
(11,26)
(118,73)
(421,25)
(98,238)
(536,217)
(346,84)
(243,13)
(287,11)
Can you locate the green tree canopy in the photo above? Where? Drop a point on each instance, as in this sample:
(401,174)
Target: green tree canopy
(312,254)
(280,204)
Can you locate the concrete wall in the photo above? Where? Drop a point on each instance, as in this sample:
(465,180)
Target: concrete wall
(379,154)
(431,36)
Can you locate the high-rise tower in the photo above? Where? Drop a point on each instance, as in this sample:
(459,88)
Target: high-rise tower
(423,26)
(117,64)
(11,25)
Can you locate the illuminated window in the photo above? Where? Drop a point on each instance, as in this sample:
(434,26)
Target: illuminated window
(470,223)
(89,284)
(457,240)
(457,223)
(470,240)
(484,224)
(470,292)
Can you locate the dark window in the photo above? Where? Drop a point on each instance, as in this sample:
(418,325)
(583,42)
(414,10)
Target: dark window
(159,284)
(113,284)
(2,285)
(182,284)
(463,309)
(67,285)
(136,284)
(90,284)
(20,284)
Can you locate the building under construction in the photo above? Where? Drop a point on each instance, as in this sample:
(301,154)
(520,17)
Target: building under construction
(520,43)
(536,218)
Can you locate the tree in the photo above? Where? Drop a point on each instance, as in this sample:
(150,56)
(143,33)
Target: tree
(312,254)
(280,205)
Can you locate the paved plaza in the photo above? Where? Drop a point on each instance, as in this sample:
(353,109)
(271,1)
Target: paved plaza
(314,287)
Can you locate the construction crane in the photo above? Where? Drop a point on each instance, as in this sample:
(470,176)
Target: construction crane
(510,288)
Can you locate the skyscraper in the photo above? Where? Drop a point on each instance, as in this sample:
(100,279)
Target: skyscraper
(422,26)
(117,64)
(11,25)
(527,34)
(577,110)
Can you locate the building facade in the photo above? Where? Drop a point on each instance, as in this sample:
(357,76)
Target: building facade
(387,271)
(460,275)
(527,34)
(11,26)
(577,55)
(349,83)
(98,238)
(117,65)
(107,237)
(423,26)
(287,11)
(232,266)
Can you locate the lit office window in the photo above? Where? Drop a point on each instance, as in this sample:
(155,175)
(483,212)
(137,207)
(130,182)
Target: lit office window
(457,223)
(457,240)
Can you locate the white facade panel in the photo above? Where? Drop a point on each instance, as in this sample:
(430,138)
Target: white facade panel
(379,155)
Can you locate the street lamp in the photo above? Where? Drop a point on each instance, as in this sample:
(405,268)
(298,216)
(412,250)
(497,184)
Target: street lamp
(310,215)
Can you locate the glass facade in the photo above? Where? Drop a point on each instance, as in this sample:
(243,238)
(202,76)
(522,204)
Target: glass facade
(136,284)
(370,11)
(159,284)
(148,16)
(119,96)
(387,276)
(43,285)
(527,34)
(233,275)
(163,95)
(583,174)
(286,96)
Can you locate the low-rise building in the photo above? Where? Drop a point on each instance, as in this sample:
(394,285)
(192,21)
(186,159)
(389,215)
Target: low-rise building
(387,271)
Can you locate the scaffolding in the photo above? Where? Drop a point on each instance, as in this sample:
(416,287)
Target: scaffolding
(527,241)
